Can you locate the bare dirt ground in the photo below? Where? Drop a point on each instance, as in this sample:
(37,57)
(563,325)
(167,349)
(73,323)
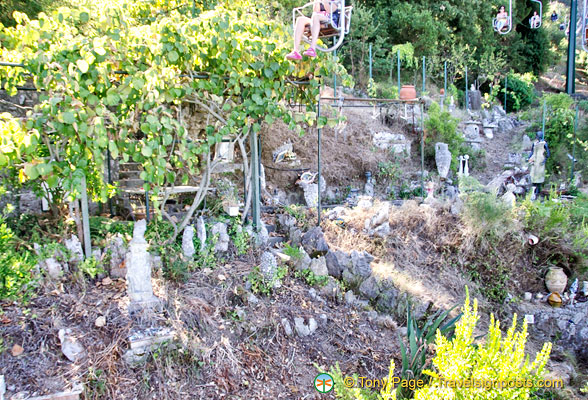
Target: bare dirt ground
(345,157)
(230,348)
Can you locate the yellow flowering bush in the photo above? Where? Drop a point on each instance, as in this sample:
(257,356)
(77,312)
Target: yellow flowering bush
(497,368)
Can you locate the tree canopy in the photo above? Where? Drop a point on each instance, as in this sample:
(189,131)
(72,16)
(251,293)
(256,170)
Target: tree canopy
(113,76)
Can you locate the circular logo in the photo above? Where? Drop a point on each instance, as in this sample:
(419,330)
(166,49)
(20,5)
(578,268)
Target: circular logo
(323,383)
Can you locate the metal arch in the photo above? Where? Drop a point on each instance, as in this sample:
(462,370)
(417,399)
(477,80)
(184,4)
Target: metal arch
(342,28)
(495,21)
(583,25)
(540,14)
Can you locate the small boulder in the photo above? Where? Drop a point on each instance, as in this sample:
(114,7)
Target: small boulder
(383,230)
(361,263)
(222,244)
(314,242)
(285,222)
(287,327)
(117,250)
(302,262)
(201,232)
(360,268)
(70,346)
(350,297)
(295,236)
(331,290)
(301,327)
(52,267)
(369,288)
(268,266)
(319,266)
(74,246)
(188,242)
(100,321)
(337,261)
(380,217)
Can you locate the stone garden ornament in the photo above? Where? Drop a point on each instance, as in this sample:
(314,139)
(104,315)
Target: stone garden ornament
(442,159)
(538,157)
(139,287)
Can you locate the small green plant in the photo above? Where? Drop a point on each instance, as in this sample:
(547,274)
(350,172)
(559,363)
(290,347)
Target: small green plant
(95,387)
(496,359)
(239,236)
(16,267)
(293,252)
(562,227)
(205,256)
(91,267)
(296,212)
(414,356)
(175,267)
(493,277)
(343,392)
(261,285)
(372,88)
(386,90)
(488,216)
(311,278)
(55,250)
(389,170)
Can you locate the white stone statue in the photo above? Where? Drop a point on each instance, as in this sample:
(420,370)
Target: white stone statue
(138,264)
(442,159)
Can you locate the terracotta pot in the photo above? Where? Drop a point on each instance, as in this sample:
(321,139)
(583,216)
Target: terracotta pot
(442,92)
(556,280)
(407,92)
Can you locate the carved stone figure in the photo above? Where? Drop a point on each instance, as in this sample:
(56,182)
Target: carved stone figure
(138,263)
(538,157)
(442,159)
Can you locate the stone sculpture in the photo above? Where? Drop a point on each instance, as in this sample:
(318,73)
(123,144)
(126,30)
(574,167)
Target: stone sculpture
(442,159)
(538,157)
(138,263)
(188,242)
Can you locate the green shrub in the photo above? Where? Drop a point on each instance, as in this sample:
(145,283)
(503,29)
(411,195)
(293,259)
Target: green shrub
(440,126)
(562,228)
(497,358)
(238,235)
(559,129)
(386,90)
(487,216)
(16,267)
(520,91)
(30,7)
(342,392)
(91,267)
